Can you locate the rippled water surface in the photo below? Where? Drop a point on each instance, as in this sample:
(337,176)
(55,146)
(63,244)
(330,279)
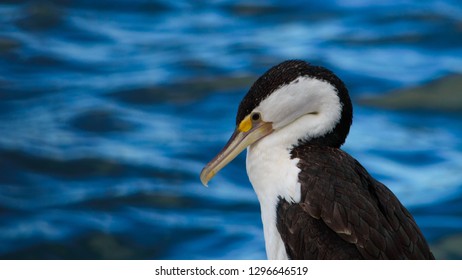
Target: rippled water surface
(110,109)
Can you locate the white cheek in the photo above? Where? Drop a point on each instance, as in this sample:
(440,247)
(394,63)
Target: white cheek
(310,105)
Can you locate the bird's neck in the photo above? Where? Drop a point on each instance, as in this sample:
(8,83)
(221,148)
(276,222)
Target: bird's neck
(273,175)
(273,170)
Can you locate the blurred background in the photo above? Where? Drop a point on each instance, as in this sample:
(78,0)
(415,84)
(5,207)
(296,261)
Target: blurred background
(109,109)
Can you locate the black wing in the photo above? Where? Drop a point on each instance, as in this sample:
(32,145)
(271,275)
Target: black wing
(344,213)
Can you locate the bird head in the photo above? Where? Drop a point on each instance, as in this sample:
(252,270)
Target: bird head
(293,103)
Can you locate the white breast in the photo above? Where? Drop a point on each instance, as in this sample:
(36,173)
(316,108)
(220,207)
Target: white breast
(272,174)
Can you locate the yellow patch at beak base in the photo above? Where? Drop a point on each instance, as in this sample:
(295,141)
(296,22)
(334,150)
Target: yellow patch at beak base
(245,125)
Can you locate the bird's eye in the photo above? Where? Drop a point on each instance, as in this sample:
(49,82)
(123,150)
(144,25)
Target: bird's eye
(256,116)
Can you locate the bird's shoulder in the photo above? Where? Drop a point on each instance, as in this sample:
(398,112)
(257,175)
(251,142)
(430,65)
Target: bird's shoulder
(338,192)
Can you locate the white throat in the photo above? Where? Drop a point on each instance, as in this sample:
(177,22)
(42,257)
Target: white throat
(272,174)
(305,108)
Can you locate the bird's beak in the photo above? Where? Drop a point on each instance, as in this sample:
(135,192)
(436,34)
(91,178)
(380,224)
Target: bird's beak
(247,133)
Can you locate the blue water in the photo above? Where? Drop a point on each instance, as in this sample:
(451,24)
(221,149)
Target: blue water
(110,109)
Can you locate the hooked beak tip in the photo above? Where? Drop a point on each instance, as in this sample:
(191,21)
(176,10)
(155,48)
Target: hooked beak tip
(205,177)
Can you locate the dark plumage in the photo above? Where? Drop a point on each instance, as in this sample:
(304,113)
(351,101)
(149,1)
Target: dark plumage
(344,213)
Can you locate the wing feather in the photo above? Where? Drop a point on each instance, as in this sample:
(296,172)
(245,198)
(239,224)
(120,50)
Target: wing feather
(345,213)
